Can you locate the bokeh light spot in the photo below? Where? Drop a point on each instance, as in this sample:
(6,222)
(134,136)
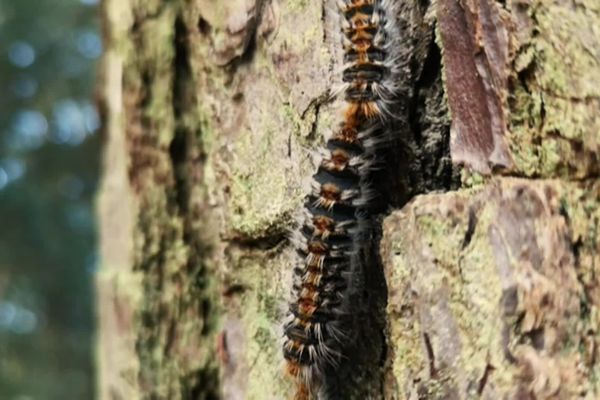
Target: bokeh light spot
(89,44)
(24,86)
(16,319)
(21,54)
(29,130)
(3,178)
(73,122)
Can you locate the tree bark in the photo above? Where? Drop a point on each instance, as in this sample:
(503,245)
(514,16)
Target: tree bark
(489,246)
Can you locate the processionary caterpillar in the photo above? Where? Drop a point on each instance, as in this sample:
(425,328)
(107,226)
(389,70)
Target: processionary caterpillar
(337,216)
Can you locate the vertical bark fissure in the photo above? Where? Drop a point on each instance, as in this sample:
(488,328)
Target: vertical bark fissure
(420,162)
(188,158)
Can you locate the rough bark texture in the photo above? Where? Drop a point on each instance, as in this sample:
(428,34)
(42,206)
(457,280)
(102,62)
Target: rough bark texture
(492,292)
(493,289)
(210,112)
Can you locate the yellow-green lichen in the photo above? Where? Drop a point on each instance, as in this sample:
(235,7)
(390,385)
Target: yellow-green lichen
(439,268)
(554,120)
(261,318)
(261,194)
(297,5)
(471,179)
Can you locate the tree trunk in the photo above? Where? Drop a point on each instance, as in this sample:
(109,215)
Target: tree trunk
(489,246)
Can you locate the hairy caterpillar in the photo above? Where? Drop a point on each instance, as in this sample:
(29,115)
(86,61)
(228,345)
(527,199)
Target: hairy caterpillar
(337,215)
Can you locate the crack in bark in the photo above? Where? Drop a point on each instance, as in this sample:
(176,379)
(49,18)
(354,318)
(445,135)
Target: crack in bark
(315,104)
(471,225)
(430,355)
(484,379)
(187,159)
(419,161)
(250,37)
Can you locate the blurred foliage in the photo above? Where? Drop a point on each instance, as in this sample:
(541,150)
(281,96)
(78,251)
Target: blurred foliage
(49,156)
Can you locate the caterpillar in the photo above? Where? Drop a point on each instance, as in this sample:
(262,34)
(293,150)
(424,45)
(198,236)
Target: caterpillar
(337,216)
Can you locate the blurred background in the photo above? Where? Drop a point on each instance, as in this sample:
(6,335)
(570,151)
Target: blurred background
(49,161)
